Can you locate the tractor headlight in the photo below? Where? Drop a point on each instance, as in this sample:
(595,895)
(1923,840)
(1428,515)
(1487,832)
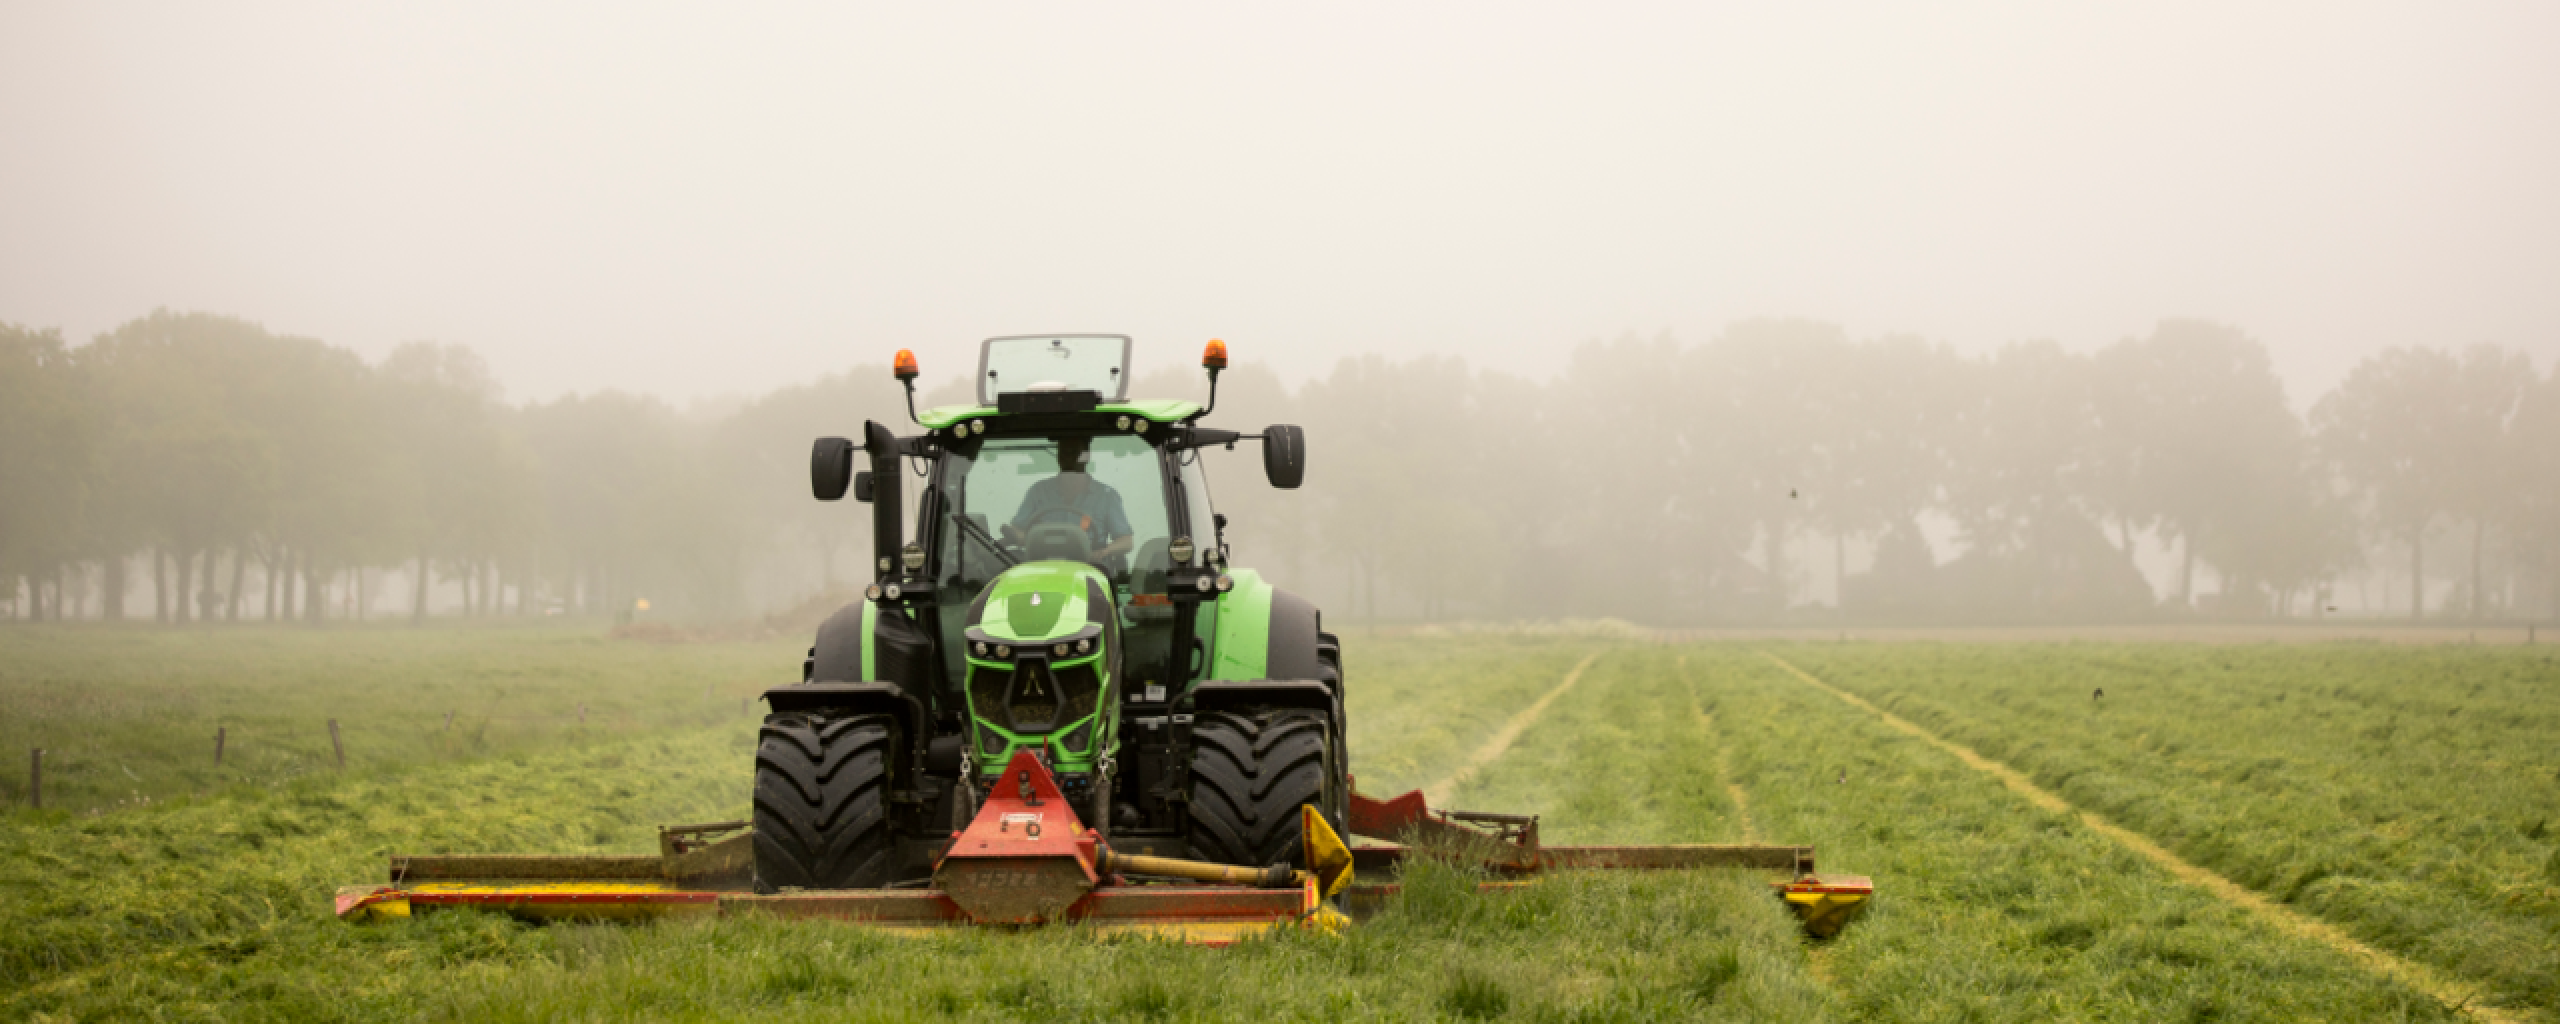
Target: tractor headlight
(891,590)
(980,647)
(1084,646)
(1124,423)
(1225,583)
(872,592)
(1181,550)
(884,563)
(1060,650)
(1003,651)
(913,555)
(1203,582)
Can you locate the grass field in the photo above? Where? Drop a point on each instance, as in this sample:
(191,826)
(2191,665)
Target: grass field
(2409,795)
(210,902)
(128,716)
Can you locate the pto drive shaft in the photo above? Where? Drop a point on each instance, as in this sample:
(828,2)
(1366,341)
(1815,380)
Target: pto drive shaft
(1277,876)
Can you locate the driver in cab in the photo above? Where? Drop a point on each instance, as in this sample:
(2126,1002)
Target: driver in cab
(1075,497)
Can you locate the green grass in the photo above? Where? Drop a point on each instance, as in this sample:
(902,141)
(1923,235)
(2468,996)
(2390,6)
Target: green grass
(211,901)
(127,716)
(2410,795)
(1418,709)
(1989,909)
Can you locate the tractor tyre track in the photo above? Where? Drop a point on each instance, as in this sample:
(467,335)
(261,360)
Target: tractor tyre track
(2415,975)
(1724,773)
(1500,742)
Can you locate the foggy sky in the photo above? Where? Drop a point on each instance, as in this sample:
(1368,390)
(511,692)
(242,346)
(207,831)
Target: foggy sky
(702,200)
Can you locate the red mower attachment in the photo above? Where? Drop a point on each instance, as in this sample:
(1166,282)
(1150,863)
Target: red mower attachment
(1027,859)
(1507,844)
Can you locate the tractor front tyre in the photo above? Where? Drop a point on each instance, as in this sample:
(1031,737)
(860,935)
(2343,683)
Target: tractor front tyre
(1250,772)
(822,801)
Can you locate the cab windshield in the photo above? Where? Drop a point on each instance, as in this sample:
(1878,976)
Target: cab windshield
(1098,500)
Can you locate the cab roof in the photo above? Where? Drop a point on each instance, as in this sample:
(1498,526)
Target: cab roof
(1162,411)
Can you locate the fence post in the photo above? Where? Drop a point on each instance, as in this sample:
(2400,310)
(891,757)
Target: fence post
(448,721)
(582,716)
(35,778)
(335,745)
(218,733)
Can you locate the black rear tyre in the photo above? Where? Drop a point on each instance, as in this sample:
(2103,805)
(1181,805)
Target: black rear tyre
(822,801)
(1250,772)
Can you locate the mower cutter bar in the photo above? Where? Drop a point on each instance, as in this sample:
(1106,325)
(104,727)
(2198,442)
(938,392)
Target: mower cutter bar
(1508,843)
(1209,914)
(1794,860)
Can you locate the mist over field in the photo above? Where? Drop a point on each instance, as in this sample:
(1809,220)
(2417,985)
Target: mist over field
(1987,314)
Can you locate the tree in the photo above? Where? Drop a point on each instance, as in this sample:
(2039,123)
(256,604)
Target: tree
(631,508)
(47,441)
(762,464)
(2534,455)
(2420,433)
(2199,435)
(466,486)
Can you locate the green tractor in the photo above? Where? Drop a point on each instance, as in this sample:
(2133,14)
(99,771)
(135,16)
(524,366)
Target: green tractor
(1066,593)
(1058,702)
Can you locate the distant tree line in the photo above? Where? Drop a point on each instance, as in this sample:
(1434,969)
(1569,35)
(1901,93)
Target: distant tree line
(1781,471)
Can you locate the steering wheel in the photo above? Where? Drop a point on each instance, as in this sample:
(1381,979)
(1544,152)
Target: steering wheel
(1057,533)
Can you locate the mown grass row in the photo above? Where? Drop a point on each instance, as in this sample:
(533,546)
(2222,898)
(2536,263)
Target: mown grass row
(1419,707)
(2409,795)
(127,716)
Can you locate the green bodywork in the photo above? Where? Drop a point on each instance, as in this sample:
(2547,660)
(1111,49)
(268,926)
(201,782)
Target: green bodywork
(1039,604)
(870,646)
(1240,632)
(1237,627)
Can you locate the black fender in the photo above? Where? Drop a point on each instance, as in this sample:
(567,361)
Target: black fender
(902,659)
(1232,694)
(901,649)
(870,698)
(1295,629)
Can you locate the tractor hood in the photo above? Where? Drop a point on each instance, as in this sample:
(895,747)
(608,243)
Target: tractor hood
(1041,601)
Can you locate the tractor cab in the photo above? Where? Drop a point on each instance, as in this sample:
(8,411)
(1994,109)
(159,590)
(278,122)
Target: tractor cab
(1054,509)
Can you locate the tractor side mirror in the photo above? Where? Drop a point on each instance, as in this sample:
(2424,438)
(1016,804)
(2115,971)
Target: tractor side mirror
(830,467)
(1284,456)
(862,487)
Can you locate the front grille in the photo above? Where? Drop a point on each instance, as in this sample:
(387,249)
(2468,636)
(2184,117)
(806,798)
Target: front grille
(986,693)
(1032,697)
(1080,687)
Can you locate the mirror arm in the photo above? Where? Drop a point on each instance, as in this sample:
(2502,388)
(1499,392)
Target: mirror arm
(1204,437)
